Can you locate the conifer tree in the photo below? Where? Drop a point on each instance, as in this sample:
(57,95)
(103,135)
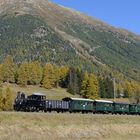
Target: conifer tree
(64,72)
(109,87)
(90,87)
(23,74)
(1,100)
(136,94)
(102,87)
(74,80)
(9,69)
(84,85)
(35,73)
(1,74)
(30,73)
(126,93)
(106,87)
(49,77)
(56,76)
(129,90)
(8,99)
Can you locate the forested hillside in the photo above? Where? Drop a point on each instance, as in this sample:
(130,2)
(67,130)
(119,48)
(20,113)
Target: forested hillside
(41,30)
(28,38)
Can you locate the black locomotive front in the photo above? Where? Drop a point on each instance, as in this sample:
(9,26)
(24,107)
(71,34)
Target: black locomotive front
(33,103)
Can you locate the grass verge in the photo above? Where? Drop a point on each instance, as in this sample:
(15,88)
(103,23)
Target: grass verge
(53,126)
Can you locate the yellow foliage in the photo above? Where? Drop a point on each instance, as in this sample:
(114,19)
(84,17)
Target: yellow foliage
(6,99)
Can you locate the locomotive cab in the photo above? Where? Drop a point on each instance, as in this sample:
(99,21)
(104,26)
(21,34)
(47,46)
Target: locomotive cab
(36,102)
(37,97)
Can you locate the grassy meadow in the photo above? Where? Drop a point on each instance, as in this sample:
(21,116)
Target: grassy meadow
(56,93)
(53,126)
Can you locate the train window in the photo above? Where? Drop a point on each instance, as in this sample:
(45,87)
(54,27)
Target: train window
(89,103)
(127,106)
(108,105)
(117,106)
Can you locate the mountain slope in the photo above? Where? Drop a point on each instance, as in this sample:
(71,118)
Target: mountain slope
(42,30)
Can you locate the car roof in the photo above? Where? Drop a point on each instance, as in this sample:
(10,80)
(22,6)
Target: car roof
(104,101)
(38,94)
(121,103)
(77,99)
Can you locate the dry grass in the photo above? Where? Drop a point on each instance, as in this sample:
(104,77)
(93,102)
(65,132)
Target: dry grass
(41,126)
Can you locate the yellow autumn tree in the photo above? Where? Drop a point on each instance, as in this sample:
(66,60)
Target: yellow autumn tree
(136,92)
(63,75)
(84,85)
(93,87)
(30,73)
(6,99)
(128,89)
(90,86)
(35,73)
(1,74)
(23,74)
(1,100)
(49,76)
(8,69)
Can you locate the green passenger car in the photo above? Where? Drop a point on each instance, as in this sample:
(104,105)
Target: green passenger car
(80,105)
(134,109)
(121,108)
(103,106)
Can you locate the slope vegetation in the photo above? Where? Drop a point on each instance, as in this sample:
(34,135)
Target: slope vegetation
(41,30)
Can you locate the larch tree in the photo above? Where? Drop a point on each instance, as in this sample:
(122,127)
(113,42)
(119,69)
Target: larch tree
(1,100)
(92,87)
(9,69)
(1,73)
(8,98)
(64,72)
(49,77)
(23,74)
(56,76)
(30,73)
(35,73)
(134,92)
(84,85)
(128,90)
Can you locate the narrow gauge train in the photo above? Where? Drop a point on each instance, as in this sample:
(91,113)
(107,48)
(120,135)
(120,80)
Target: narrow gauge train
(38,102)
